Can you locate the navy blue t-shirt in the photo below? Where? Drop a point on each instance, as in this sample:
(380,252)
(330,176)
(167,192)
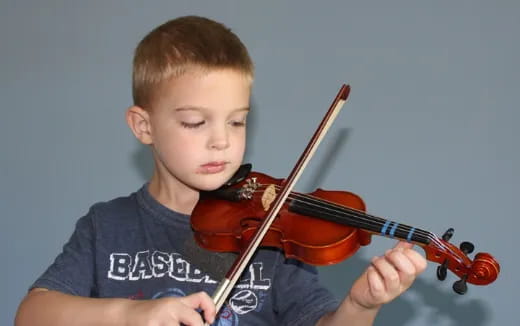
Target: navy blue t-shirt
(131,247)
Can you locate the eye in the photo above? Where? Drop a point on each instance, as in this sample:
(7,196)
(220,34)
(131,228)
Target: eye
(238,120)
(192,125)
(238,123)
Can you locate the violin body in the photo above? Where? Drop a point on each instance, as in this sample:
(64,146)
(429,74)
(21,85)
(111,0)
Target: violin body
(228,225)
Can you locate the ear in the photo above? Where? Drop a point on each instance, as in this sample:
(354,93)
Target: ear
(138,120)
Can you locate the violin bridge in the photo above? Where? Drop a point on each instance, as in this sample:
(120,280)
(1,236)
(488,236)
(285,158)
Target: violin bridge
(268,197)
(248,189)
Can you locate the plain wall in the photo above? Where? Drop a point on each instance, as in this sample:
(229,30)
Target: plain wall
(428,137)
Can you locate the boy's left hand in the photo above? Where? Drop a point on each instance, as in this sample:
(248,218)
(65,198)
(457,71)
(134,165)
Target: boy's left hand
(388,276)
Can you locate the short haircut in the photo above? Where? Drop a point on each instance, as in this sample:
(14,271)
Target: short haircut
(187,42)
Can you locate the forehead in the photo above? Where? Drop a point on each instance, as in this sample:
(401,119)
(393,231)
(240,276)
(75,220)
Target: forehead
(223,88)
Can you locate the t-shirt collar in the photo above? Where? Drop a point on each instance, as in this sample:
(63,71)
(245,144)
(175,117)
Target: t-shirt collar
(158,210)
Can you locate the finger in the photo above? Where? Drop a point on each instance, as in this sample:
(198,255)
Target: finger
(400,260)
(208,306)
(376,285)
(201,300)
(403,266)
(189,317)
(404,245)
(388,273)
(417,260)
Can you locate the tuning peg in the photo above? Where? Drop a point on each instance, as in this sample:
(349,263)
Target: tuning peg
(448,234)
(467,247)
(442,271)
(460,286)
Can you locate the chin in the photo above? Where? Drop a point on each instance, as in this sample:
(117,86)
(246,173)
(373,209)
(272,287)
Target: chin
(211,183)
(207,187)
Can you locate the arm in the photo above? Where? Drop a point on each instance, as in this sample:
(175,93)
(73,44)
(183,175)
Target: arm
(42,307)
(385,279)
(349,311)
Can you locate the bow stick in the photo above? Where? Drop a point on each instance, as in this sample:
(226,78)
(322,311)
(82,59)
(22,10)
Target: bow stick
(227,284)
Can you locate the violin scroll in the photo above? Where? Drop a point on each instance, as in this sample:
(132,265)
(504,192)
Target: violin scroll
(482,270)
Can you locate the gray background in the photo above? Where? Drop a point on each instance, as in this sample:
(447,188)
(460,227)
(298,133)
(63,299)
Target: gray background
(428,137)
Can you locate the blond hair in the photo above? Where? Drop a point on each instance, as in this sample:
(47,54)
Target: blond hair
(172,48)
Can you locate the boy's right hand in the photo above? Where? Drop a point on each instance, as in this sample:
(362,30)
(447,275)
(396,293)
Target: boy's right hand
(172,311)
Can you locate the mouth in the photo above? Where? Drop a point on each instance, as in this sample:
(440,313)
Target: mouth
(212,167)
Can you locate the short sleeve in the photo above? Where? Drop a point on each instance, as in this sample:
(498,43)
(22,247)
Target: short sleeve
(299,297)
(73,269)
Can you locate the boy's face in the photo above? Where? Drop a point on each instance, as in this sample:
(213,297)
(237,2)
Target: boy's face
(198,129)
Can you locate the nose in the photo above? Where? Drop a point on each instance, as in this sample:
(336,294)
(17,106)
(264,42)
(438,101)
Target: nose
(219,139)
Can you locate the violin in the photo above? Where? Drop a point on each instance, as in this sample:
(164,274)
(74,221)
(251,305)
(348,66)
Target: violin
(319,228)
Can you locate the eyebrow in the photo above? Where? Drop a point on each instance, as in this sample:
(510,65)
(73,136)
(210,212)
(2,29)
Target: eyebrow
(201,108)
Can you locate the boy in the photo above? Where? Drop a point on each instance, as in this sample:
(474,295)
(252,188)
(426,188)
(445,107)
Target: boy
(192,81)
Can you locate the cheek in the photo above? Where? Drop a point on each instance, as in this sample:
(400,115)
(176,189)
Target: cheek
(175,143)
(240,147)
(240,142)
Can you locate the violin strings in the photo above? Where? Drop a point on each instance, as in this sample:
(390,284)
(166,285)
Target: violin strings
(366,217)
(361,217)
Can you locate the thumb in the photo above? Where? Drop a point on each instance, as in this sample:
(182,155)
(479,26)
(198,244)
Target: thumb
(196,300)
(201,301)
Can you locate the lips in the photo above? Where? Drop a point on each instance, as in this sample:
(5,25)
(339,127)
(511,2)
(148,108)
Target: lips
(212,167)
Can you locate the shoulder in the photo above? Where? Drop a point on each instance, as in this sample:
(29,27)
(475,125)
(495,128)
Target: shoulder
(117,207)
(118,211)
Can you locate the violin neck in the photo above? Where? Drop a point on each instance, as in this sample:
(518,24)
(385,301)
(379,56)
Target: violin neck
(359,219)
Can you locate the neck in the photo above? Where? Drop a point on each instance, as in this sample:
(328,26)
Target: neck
(173,194)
